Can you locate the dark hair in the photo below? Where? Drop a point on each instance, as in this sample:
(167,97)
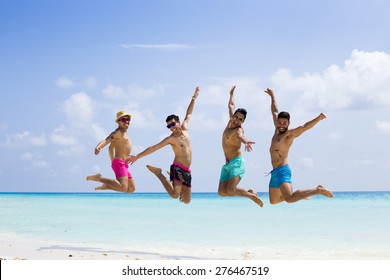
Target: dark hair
(170,117)
(242,111)
(284,115)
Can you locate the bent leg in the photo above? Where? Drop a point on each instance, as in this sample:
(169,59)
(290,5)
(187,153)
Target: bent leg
(275,196)
(130,185)
(108,184)
(234,190)
(164,181)
(222,188)
(185,194)
(290,196)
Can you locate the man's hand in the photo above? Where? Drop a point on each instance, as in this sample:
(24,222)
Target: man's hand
(269,92)
(248,146)
(322,116)
(97,150)
(132,159)
(232,90)
(196,93)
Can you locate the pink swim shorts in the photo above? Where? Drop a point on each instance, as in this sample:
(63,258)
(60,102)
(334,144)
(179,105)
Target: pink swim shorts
(121,168)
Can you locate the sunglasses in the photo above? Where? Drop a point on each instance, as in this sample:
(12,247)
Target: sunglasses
(171,125)
(125,120)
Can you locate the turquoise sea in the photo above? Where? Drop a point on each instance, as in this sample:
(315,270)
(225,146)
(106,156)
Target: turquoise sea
(350,223)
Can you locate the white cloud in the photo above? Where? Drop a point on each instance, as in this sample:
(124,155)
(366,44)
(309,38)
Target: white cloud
(362,82)
(217,91)
(362,162)
(383,126)
(64,82)
(39,164)
(165,47)
(27,156)
(72,150)
(99,132)
(90,82)
(142,118)
(79,109)
(335,136)
(62,140)
(114,92)
(307,162)
(24,138)
(35,160)
(138,92)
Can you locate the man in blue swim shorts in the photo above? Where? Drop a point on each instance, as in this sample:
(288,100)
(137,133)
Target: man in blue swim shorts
(234,168)
(279,176)
(280,186)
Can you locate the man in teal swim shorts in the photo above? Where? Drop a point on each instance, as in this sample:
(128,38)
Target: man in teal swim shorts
(280,186)
(234,168)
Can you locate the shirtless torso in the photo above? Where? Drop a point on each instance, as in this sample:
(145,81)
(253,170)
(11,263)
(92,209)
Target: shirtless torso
(121,143)
(231,143)
(280,146)
(181,146)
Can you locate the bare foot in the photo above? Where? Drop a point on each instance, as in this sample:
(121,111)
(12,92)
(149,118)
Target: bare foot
(102,187)
(322,190)
(155,170)
(256,198)
(96,177)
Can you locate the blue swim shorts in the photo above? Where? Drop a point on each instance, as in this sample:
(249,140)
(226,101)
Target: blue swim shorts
(279,176)
(232,168)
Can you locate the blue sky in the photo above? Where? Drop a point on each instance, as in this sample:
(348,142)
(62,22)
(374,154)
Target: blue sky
(68,66)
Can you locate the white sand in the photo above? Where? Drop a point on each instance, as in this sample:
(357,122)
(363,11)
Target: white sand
(16,248)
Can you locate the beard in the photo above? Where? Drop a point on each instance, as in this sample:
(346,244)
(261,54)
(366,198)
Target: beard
(282,130)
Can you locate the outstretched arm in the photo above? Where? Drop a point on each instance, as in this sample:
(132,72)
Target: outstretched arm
(150,150)
(190,109)
(246,142)
(301,129)
(274,106)
(104,142)
(231,104)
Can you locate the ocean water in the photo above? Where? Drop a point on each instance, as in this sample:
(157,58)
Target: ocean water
(351,221)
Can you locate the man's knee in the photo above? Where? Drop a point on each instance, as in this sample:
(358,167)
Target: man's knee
(175,195)
(130,189)
(231,191)
(289,200)
(222,192)
(274,201)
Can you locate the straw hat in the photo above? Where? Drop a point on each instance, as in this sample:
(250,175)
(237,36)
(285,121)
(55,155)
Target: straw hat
(121,114)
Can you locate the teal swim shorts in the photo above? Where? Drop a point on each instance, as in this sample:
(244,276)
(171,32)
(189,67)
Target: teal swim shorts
(232,168)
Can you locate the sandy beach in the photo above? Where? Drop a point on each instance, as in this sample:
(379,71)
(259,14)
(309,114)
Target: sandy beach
(18,249)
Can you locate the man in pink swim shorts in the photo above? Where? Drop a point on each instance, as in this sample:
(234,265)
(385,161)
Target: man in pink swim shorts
(119,151)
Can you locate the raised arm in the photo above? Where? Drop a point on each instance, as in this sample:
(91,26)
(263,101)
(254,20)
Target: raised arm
(231,103)
(296,132)
(190,109)
(150,150)
(274,106)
